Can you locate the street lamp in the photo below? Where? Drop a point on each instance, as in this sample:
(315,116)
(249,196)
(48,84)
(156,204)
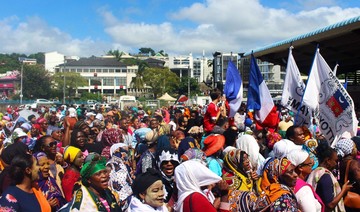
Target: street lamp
(64,88)
(189,73)
(21,59)
(64,98)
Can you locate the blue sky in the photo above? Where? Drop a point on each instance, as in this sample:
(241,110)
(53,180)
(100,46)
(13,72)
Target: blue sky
(179,27)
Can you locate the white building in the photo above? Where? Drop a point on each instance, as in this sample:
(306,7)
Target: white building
(105,75)
(185,66)
(53,59)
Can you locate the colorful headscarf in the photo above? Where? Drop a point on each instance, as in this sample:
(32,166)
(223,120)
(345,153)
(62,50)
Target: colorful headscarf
(39,155)
(70,153)
(270,181)
(194,154)
(91,167)
(234,173)
(272,138)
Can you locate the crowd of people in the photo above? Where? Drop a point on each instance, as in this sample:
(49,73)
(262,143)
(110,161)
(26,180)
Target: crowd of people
(194,159)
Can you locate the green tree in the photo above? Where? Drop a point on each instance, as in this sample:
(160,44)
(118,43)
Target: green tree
(40,57)
(137,82)
(10,62)
(183,86)
(146,51)
(36,82)
(72,81)
(161,80)
(117,53)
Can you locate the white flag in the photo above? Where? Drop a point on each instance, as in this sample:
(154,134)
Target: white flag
(293,91)
(330,101)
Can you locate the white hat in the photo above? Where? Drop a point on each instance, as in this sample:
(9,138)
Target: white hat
(297,157)
(72,112)
(99,116)
(90,114)
(17,133)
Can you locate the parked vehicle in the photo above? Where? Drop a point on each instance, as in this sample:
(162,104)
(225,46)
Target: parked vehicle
(126,101)
(91,101)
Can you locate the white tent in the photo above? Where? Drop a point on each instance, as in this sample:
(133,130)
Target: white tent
(167,97)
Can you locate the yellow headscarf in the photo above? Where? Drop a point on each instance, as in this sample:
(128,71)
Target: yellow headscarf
(70,153)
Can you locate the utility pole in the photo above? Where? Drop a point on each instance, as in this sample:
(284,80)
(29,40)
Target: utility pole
(189,73)
(21,59)
(64,88)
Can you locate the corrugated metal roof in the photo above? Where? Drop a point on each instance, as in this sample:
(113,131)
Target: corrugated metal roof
(306,35)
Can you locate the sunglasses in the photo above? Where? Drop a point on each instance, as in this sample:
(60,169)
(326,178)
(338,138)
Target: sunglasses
(52,144)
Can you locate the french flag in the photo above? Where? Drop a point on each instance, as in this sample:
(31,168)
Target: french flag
(233,89)
(259,98)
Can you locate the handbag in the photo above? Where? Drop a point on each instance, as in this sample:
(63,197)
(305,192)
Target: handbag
(352,199)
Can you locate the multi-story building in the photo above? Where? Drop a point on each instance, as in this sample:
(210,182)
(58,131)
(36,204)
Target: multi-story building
(185,66)
(220,64)
(105,75)
(274,75)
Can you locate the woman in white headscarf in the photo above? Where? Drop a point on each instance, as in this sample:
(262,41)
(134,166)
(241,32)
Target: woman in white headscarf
(305,194)
(249,144)
(191,178)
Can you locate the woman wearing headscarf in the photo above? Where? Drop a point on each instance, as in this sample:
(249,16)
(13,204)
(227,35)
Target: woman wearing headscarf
(191,141)
(191,177)
(47,184)
(94,194)
(147,159)
(347,152)
(148,192)
(249,144)
(110,137)
(278,179)
(121,173)
(324,182)
(305,194)
(71,180)
(237,171)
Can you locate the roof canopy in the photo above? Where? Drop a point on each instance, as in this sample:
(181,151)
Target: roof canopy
(338,43)
(167,97)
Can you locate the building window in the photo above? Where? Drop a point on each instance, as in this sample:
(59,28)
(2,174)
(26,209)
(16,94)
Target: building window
(98,70)
(108,81)
(120,81)
(117,70)
(86,70)
(123,70)
(92,70)
(185,62)
(176,62)
(79,70)
(105,70)
(111,70)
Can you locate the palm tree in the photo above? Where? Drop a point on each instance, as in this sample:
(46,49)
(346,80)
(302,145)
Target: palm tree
(137,82)
(116,53)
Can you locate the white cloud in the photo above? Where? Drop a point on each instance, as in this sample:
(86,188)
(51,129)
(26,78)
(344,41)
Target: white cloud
(34,35)
(226,25)
(213,25)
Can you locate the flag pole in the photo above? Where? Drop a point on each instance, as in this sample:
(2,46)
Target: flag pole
(302,98)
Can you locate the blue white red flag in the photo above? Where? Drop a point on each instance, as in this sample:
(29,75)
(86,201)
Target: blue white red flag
(233,88)
(259,98)
(330,101)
